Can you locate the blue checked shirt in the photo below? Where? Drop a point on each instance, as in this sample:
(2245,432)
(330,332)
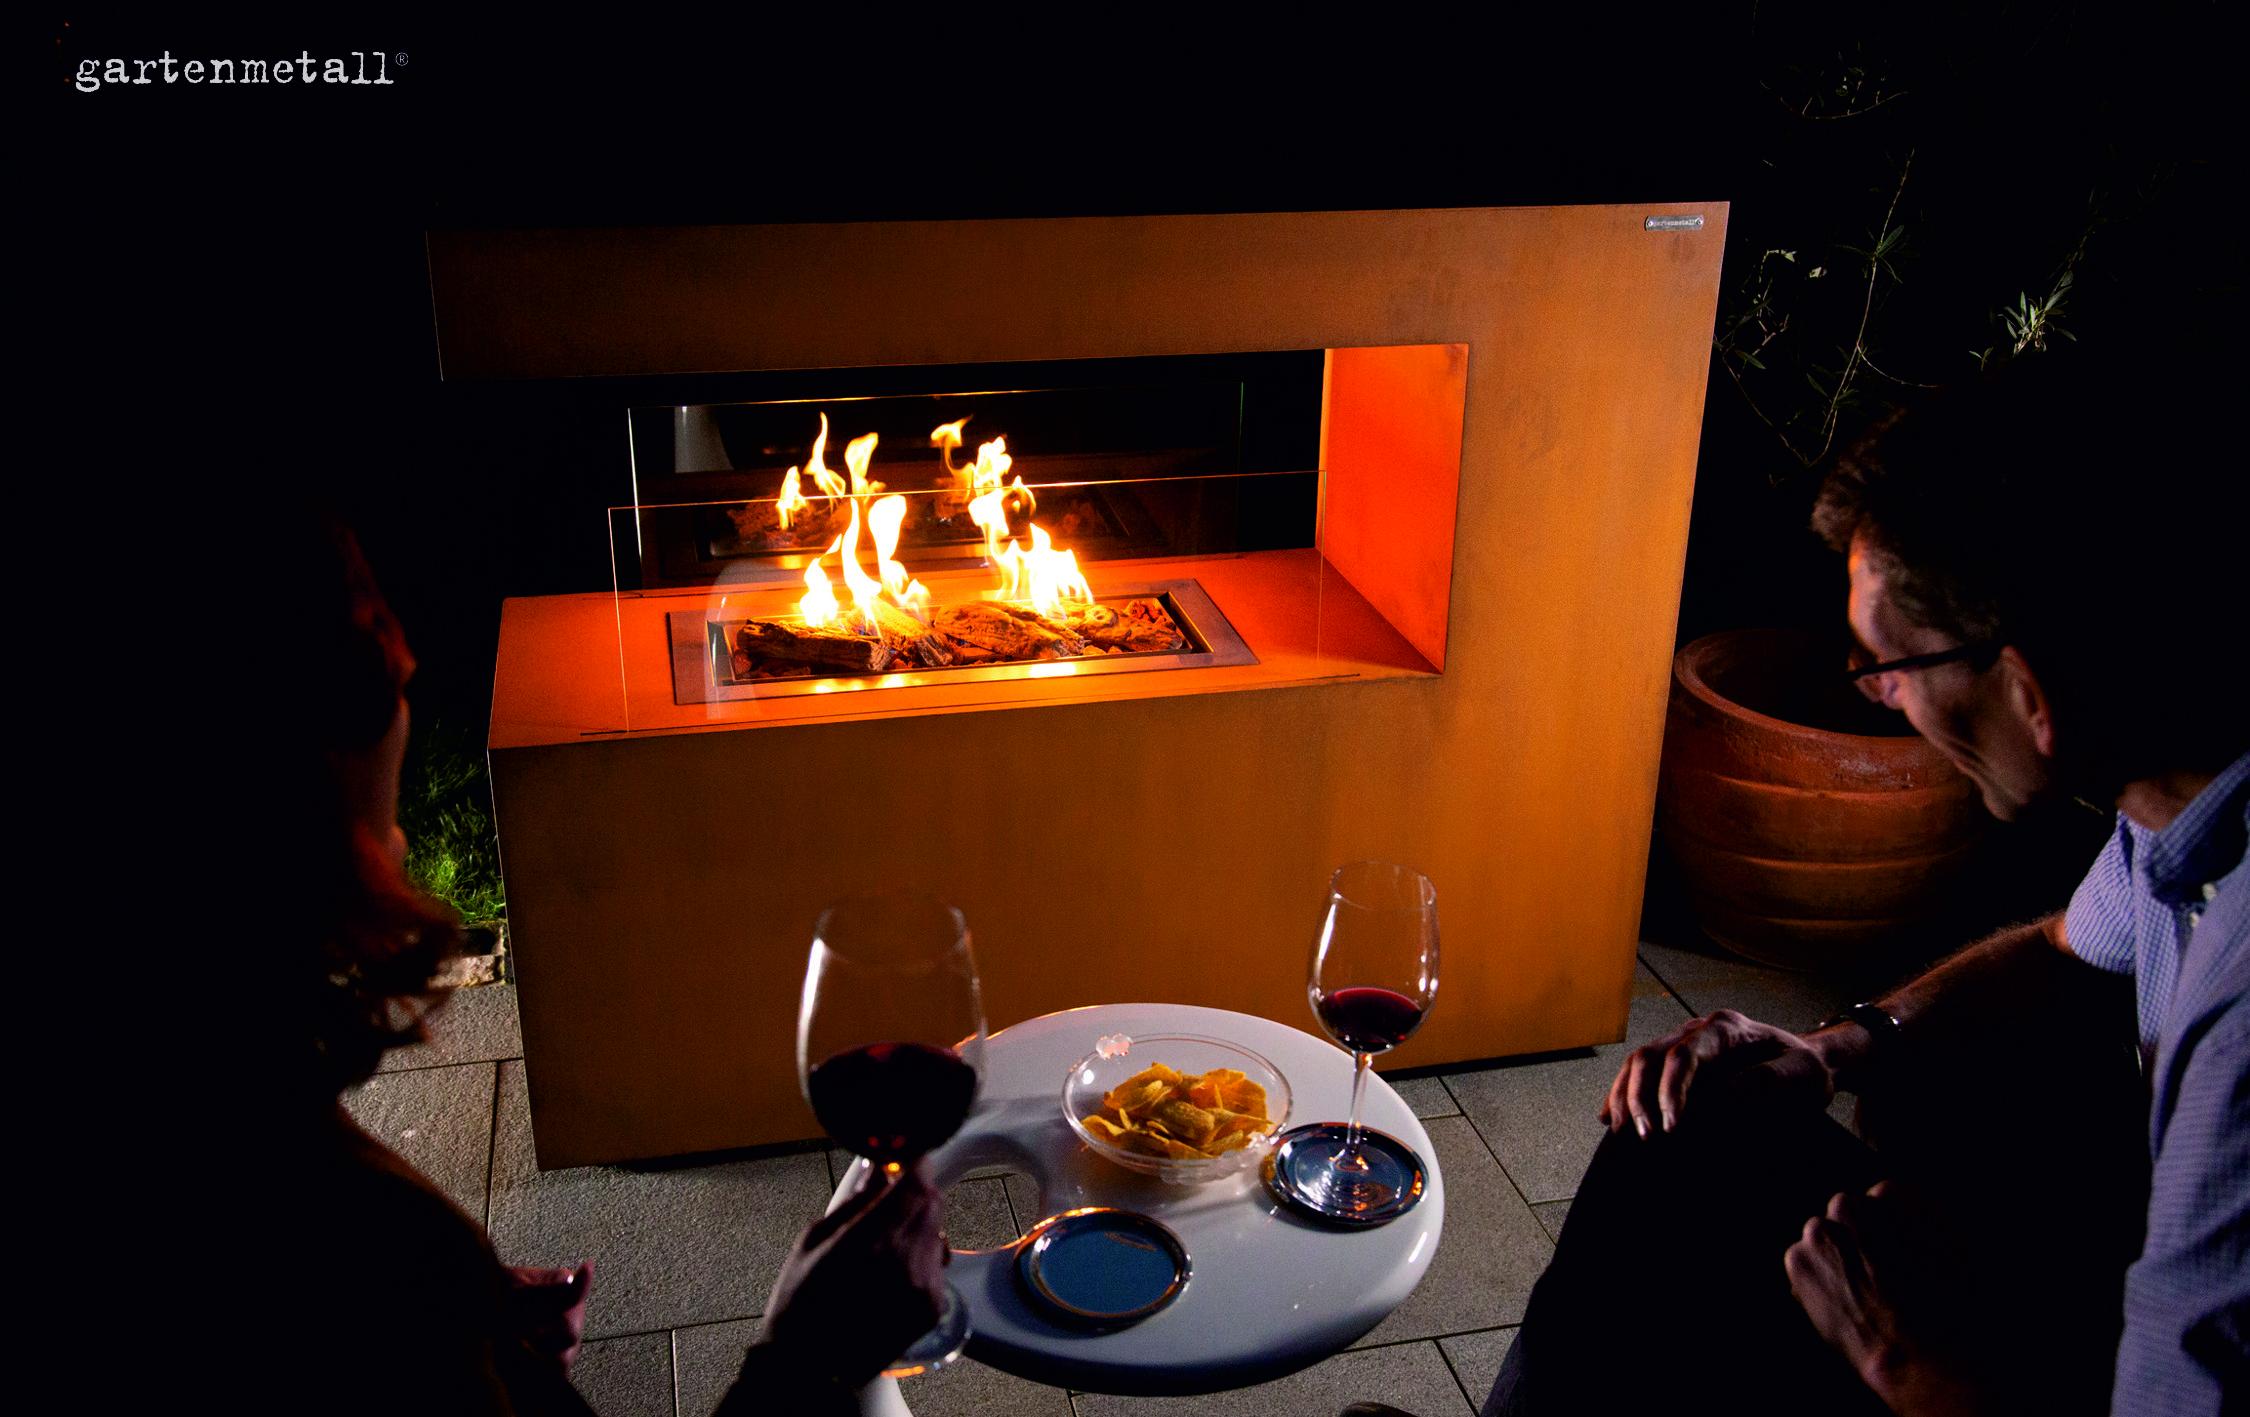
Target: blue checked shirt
(2172,908)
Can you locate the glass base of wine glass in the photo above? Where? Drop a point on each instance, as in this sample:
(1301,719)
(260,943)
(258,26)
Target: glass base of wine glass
(940,1346)
(1315,1170)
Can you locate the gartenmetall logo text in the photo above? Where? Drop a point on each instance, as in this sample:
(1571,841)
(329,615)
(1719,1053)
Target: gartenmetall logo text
(369,67)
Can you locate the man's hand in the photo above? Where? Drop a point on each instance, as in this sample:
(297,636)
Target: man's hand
(1873,1275)
(1652,1087)
(864,1282)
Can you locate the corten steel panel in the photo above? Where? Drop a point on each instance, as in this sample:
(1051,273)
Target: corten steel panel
(662,886)
(1391,449)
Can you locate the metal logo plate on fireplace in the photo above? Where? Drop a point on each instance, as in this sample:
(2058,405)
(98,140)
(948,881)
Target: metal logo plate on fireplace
(703,668)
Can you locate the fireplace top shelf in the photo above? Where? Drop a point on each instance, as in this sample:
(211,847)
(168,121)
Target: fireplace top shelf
(577,667)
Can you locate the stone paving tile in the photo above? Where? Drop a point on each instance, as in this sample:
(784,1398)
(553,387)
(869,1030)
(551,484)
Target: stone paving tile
(968,1388)
(626,1377)
(707,1357)
(977,1213)
(1551,1215)
(1015,1188)
(1476,1359)
(1023,1200)
(977,1216)
(1426,1097)
(1538,1118)
(440,1120)
(669,1247)
(1717,980)
(1410,1376)
(1492,1252)
(476,1026)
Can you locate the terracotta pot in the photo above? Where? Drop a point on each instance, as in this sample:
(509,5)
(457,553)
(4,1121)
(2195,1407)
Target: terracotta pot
(1811,827)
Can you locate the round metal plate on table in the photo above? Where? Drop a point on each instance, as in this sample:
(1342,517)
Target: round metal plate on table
(1102,1269)
(1299,1173)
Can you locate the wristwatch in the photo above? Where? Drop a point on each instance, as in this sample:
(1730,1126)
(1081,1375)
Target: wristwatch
(1882,1028)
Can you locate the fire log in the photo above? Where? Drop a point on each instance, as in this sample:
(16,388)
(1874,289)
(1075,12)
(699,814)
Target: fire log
(1065,639)
(1007,632)
(910,638)
(807,644)
(1134,636)
(1144,628)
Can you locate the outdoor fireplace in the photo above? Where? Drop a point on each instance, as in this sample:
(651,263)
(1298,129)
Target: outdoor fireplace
(807,559)
(1095,639)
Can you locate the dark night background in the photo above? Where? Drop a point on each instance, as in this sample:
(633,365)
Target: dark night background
(240,288)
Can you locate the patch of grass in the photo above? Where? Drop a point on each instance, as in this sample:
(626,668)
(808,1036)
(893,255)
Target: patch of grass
(445,808)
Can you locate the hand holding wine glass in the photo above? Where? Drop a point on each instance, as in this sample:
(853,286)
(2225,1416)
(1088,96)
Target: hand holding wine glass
(890,1048)
(864,1282)
(1372,980)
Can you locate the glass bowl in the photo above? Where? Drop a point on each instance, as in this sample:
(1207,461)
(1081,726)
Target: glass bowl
(1092,1076)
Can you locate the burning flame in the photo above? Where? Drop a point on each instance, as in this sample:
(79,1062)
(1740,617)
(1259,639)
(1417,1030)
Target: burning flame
(829,483)
(992,465)
(990,512)
(1049,579)
(1044,576)
(819,605)
(792,497)
(864,589)
(883,520)
(946,437)
(856,455)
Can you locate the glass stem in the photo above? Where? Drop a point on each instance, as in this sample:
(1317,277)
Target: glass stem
(1364,1065)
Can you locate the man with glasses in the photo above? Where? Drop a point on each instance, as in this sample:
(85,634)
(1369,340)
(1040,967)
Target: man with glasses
(2045,576)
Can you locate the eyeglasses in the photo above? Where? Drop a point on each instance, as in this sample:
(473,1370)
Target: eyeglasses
(1981,656)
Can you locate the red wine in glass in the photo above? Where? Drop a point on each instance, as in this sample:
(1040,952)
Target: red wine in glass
(890,1047)
(1373,977)
(1367,1019)
(891,1102)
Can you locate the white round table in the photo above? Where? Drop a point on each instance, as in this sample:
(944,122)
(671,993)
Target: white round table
(1268,1292)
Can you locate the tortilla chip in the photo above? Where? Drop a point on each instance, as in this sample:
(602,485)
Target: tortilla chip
(1162,1112)
(1186,1121)
(1237,1093)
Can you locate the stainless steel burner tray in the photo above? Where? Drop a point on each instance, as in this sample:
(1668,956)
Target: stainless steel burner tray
(702,667)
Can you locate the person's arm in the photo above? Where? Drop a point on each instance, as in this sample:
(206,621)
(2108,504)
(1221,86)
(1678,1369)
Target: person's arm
(1959,1002)
(2186,1346)
(1994,984)
(864,1281)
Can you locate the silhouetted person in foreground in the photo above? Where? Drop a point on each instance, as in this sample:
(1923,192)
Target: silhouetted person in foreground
(2051,569)
(300,1264)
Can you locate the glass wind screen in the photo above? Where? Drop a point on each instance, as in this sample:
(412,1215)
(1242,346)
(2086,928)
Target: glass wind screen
(749,491)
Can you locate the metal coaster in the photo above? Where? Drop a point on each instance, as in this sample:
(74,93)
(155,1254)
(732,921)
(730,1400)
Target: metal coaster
(1102,1269)
(1301,1172)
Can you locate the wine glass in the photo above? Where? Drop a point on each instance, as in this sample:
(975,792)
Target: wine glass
(890,1049)
(1373,978)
